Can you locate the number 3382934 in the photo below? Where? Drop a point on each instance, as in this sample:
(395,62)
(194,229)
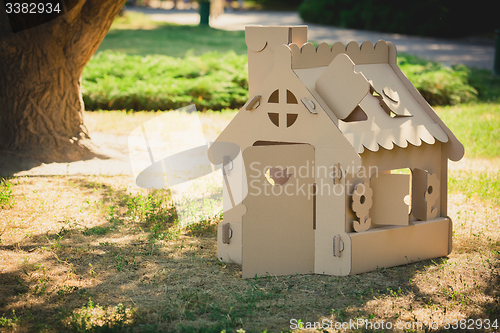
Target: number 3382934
(32,8)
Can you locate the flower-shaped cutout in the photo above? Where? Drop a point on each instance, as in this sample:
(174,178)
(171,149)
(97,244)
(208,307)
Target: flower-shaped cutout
(362,201)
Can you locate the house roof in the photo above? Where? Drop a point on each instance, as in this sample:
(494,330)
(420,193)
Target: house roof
(367,96)
(254,122)
(359,89)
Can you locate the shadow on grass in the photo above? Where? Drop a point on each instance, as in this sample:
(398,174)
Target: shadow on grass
(71,278)
(12,162)
(491,309)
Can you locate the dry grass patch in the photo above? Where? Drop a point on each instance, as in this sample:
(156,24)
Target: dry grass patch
(124,122)
(92,254)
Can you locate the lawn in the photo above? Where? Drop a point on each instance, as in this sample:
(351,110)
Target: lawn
(477,126)
(97,254)
(147,65)
(136,34)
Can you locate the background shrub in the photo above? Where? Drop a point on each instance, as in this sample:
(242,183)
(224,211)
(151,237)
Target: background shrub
(279,4)
(443,18)
(438,84)
(116,81)
(147,65)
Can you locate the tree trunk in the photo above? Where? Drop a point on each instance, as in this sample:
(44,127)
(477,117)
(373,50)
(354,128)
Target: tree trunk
(41,107)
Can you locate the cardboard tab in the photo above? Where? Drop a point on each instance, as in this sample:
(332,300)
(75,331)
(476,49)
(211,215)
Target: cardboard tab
(341,87)
(254,103)
(338,246)
(227,233)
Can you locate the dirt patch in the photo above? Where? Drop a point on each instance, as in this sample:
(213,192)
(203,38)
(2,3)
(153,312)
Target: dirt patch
(112,159)
(109,132)
(475,165)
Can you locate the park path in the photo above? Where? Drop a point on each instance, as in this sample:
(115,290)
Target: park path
(475,53)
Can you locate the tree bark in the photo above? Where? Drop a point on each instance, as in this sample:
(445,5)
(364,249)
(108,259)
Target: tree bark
(41,108)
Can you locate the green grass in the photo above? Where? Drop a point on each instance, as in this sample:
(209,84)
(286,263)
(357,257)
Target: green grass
(6,198)
(148,65)
(477,126)
(136,34)
(481,185)
(9,322)
(157,212)
(95,318)
(97,230)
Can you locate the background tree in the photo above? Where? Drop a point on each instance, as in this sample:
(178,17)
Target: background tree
(437,18)
(42,56)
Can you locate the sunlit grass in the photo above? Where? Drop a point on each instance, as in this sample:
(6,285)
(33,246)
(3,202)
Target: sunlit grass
(6,198)
(477,185)
(137,34)
(477,126)
(123,122)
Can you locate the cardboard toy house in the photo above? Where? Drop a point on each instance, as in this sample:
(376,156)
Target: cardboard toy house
(317,187)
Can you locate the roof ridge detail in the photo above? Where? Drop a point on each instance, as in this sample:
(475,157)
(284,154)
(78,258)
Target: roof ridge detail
(308,56)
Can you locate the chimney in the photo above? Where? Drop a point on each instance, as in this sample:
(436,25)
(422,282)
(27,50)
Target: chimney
(261,42)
